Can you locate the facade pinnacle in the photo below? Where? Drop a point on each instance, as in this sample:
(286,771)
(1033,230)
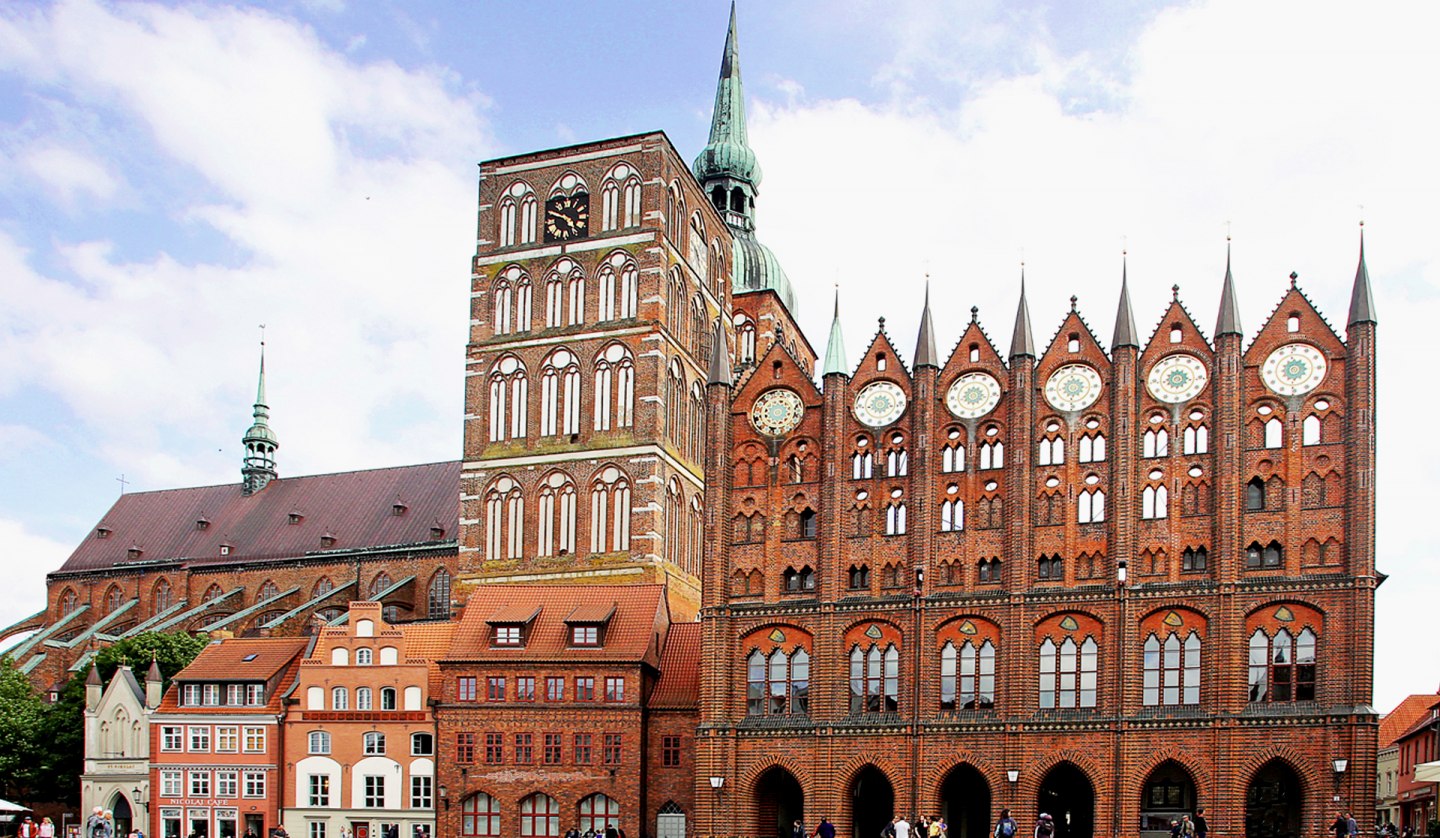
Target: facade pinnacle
(1362,304)
(720,372)
(1022,341)
(835,361)
(1124,319)
(925,353)
(1228,323)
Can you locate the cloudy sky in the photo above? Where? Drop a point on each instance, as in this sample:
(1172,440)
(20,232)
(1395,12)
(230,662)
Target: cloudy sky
(174,175)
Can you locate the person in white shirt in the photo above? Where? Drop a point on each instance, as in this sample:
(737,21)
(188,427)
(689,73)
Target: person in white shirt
(902,828)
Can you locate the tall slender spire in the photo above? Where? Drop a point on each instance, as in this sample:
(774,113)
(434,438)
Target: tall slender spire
(1362,304)
(835,361)
(1124,319)
(1022,342)
(720,358)
(260,441)
(925,354)
(728,153)
(1228,323)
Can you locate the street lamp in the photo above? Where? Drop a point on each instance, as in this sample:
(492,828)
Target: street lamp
(1122,571)
(1013,775)
(1339,764)
(716,783)
(445,796)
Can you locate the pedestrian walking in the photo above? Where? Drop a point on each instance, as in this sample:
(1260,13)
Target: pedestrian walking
(1006,827)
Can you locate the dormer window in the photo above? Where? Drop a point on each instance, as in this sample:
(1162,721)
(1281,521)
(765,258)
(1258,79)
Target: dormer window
(511,625)
(585,635)
(508,635)
(398,508)
(102,532)
(225,549)
(295,518)
(437,532)
(587,623)
(327,540)
(133,553)
(202,523)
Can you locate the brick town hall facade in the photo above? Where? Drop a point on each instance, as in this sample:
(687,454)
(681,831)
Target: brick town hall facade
(1112,585)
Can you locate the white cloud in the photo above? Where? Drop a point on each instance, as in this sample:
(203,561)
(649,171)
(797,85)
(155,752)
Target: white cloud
(1278,120)
(344,193)
(29,558)
(72,174)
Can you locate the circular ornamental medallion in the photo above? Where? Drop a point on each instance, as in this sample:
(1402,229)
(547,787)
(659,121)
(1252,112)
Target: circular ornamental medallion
(1293,369)
(1072,387)
(880,404)
(777,412)
(1177,378)
(973,395)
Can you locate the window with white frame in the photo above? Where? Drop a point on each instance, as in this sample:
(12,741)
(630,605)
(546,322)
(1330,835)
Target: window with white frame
(1172,670)
(254,694)
(364,657)
(227,784)
(374,743)
(1068,673)
(423,744)
(254,783)
(211,695)
(339,698)
(422,792)
(199,738)
(172,738)
(227,739)
(254,740)
(319,742)
(374,797)
(363,699)
(190,695)
(171,784)
(1155,502)
(319,790)
(199,783)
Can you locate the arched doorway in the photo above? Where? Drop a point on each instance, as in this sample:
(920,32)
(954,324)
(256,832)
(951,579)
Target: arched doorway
(1068,796)
(1169,792)
(779,802)
(1273,802)
(120,807)
(965,802)
(872,802)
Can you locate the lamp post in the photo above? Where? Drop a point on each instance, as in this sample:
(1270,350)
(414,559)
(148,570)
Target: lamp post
(1013,775)
(445,796)
(716,783)
(1339,764)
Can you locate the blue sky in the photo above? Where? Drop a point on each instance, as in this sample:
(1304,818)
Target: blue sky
(173,175)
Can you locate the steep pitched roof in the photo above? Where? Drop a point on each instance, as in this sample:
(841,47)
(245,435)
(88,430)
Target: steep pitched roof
(356,507)
(630,634)
(679,683)
(1413,711)
(225,660)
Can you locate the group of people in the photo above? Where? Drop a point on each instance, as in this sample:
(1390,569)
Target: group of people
(1188,827)
(611,831)
(30,829)
(1005,827)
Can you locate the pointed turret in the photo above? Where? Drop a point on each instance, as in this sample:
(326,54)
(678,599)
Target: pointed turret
(1228,323)
(1022,342)
(720,358)
(153,680)
(260,441)
(1124,319)
(1362,304)
(925,352)
(835,361)
(729,173)
(93,688)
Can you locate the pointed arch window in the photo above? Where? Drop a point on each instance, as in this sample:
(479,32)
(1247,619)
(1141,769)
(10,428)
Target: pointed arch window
(575,289)
(163,597)
(747,340)
(1069,673)
(518,213)
(438,596)
(609,205)
(554,301)
(952,457)
(211,593)
(114,598)
(629,289)
(967,676)
(322,587)
(509,397)
(874,679)
(504,520)
(1052,452)
(897,459)
(952,515)
(992,455)
(529,218)
(503,294)
(1172,670)
(631,196)
(987,571)
(1155,502)
(614,388)
(1090,506)
(1310,430)
(699,253)
(1194,559)
(862,465)
(605,293)
(380,584)
(1274,433)
(1282,668)
(1091,448)
(560,377)
(610,511)
(1196,439)
(1155,442)
(1270,555)
(509,212)
(555,517)
(895,518)
(1255,495)
(675,296)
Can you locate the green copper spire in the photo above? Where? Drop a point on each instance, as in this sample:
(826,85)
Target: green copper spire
(835,361)
(260,441)
(728,153)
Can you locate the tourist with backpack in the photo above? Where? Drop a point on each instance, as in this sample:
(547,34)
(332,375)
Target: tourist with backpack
(1045,827)
(1006,826)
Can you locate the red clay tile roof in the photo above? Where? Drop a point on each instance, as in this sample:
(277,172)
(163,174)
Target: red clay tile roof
(679,684)
(1424,722)
(355,506)
(514,613)
(632,635)
(1399,721)
(590,612)
(224,660)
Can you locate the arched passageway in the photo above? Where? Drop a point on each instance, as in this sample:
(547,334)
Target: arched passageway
(1273,802)
(965,803)
(1168,793)
(779,802)
(1069,797)
(872,802)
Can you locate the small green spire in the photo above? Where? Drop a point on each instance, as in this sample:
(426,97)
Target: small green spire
(260,441)
(835,361)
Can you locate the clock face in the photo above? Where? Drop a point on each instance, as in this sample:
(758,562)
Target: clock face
(973,395)
(567,217)
(1177,378)
(777,412)
(1293,369)
(1072,387)
(880,404)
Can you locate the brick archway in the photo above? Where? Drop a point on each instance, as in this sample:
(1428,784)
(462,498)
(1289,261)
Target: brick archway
(966,801)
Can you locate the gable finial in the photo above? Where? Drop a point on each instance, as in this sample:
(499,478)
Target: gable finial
(1294,277)
(1175,293)
(974,314)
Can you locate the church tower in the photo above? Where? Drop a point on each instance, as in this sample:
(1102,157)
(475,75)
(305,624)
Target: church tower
(260,442)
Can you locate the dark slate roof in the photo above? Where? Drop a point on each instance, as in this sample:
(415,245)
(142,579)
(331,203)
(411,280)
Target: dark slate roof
(1125,334)
(1362,304)
(1022,341)
(1228,322)
(355,507)
(925,354)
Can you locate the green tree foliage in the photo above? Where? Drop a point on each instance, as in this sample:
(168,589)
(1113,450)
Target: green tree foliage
(20,714)
(59,754)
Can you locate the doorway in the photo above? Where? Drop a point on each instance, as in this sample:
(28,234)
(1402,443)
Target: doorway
(872,802)
(120,808)
(1068,796)
(965,802)
(779,802)
(1169,794)
(1272,802)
